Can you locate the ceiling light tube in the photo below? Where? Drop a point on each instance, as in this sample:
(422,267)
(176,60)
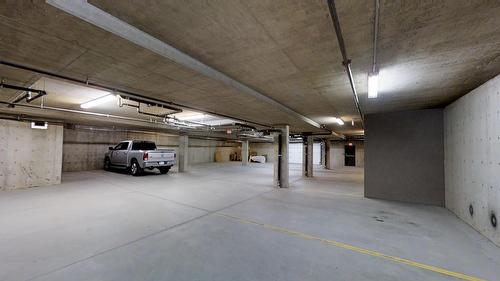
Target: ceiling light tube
(340,121)
(372,85)
(98,101)
(192,117)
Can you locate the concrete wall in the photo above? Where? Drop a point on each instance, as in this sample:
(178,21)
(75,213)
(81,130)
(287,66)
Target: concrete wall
(404,156)
(29,157)
(84,149)
(203,151)
(266,149)
(472,157)
(337,153)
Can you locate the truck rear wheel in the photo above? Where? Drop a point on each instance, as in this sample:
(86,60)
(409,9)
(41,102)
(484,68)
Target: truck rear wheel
(107,164)
(164,170)
(135,169)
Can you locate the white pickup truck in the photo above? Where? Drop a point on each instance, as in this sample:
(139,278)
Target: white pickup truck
(137,155)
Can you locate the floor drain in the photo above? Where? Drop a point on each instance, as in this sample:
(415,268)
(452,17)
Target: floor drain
(493,219)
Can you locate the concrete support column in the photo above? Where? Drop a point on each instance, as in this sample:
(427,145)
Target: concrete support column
(244,152)
(183,153)
(307,160)
(328,159)
(281,170)
(323,153)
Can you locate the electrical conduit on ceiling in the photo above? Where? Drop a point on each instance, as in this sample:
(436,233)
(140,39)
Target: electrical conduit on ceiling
(346,61)
(91,14)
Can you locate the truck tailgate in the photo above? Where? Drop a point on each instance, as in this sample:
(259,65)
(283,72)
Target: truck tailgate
(161,155)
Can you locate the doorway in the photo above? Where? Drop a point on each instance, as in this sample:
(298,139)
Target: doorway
(295,153)
(350,155)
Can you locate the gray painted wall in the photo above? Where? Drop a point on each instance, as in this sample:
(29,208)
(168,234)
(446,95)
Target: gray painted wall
(404,156)
(29,157)
(472,157)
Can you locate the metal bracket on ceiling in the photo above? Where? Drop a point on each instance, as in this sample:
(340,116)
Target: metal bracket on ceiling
(137,104)
(27,93)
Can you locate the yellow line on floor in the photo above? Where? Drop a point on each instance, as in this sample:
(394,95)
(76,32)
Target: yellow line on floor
(354,248)
(354,195)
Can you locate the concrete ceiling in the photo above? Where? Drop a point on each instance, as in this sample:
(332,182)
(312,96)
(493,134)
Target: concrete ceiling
(64,99)
(62,94)
(430,53)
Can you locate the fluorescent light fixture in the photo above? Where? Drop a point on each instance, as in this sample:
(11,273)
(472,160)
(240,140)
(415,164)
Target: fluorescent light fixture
(338,121)
(192,117)
(98,101)
(372,85)
(219,122)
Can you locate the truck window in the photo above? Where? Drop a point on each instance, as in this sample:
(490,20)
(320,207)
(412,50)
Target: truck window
(121,146)
(143,145)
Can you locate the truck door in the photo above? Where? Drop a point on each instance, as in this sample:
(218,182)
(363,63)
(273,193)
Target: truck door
(119,154)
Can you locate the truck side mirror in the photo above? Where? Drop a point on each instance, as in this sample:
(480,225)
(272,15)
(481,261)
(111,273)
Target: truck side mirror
(110,148)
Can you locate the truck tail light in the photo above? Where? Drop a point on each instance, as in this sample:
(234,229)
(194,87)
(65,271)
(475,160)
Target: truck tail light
(145,156)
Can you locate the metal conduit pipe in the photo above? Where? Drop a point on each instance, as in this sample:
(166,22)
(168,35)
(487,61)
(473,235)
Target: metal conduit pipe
(93,114)
(20,117)
(172,121)
(125,93)
(27,93)
(346,62)
(375,35)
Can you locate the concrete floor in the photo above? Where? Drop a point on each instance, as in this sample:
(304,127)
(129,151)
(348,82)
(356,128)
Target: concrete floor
(226,222)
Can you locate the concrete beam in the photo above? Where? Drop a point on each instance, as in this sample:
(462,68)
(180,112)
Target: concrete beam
(244,152)
(183,153)
(307,161)
(91,14)
(281,169)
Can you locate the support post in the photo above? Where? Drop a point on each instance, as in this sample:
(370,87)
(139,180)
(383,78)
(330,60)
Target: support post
(328,145)
(244,152)
(183,153)
(323,153)
(307,160)
(281,170)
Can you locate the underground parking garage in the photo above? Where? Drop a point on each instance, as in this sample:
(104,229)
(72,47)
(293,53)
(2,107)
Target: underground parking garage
(249,140)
